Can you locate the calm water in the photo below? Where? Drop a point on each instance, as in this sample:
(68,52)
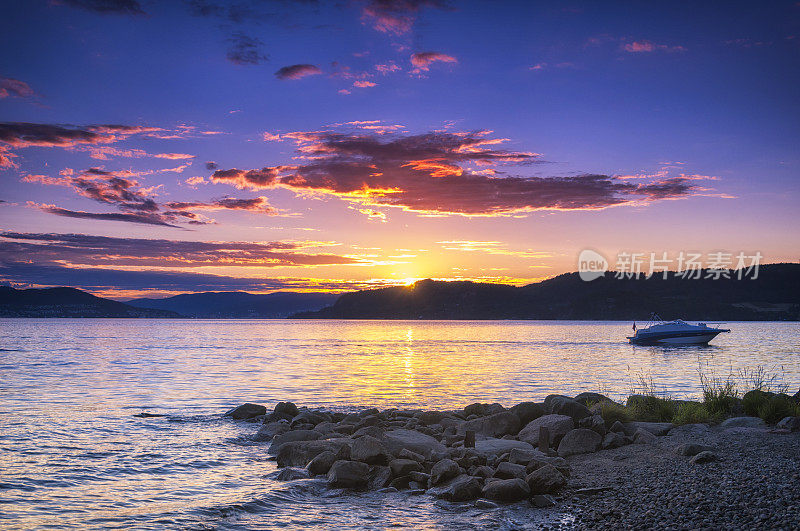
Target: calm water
(73,455)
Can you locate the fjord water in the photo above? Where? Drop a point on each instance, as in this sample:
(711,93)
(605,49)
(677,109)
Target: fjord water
(73,454)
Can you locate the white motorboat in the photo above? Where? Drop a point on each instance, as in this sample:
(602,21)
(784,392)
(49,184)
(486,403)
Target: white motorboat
(675,332)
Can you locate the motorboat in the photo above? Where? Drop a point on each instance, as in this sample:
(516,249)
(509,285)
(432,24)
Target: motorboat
(675,332)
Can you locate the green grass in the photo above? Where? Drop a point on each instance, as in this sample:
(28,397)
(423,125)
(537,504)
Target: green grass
(692,413)
(776,407)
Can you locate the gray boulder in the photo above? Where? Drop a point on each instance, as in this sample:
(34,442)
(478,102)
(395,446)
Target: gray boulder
(506,490)
(443,470)
(322,463)
(613,440)
(690,449)
(369,450)
(542,501)
(461,488)
(527,411)
(246,411)
(396,440)
(743,422)
(270,430)
(589,399)
(789,423)
(482,410)
(564,405)
(379,477)
(617,427)
(642,436)
(286,408)
(309,416)
(431,417)
(300,453)
(523,456)
(348,474)
(506,470)
(704,457)
(491,446)
(497,425)
(292,436)
(291,474)
(402,467)
(595,422)
(580,441)
(408,454)
(557,426)
(545,480)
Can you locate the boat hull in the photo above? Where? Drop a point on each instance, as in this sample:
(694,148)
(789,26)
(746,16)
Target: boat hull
(676,338)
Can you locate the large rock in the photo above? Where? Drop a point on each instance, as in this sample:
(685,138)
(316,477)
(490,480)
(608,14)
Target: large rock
(523,456)
(528,411)
(292,436)
(443,470)
(557,426)
(348,474)
(545,480)
(431,417)
(704,457)
(309,416)
(379,477)
(656,428)
(643,436)
(246,411)
(292,474)
(690,449)
(595,422)
(613,440)
(461,488)
(506,490)
(482,410)
(300,453)
(564,405)
(789,423)
(402,467)
(743,422)
(497,425)
(506,470)
(396,440)
(286,408)
(369,450)
(580,441)
(322,463)
(491,446)
(589,399)
(270,430)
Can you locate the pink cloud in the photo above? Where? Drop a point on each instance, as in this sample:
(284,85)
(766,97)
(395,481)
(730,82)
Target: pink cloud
(174,156)
(644,46)
(15,87)
(396,16)
(297,71)
(364,84)
(422,61)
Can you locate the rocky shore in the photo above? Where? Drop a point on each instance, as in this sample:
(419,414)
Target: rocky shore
(560,455)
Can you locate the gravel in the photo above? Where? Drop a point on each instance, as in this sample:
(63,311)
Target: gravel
(753,484)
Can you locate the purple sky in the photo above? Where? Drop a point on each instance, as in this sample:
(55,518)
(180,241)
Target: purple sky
(177,146)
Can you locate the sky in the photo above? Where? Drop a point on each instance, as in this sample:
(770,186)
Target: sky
(150,148)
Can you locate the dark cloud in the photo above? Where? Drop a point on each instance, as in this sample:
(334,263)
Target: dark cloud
(397,16)
(440,173)
(119,7)
(245,50)
(15,87)
(257,204)
(88,250)
(297,71)
(24,134)
(146,219)
(211,165)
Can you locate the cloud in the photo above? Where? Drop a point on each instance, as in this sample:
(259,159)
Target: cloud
(257,204)
(297,71)
(422,61)
(644,46)
(138,204)
(116,7)
(88,250)
(15,87)
(174,156)
(364,84)
(437,174)
(211,165)
(387,68)
(24,134)
(146,219)
(245,50)
(396,16)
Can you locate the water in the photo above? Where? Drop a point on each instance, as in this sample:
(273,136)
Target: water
(72,454)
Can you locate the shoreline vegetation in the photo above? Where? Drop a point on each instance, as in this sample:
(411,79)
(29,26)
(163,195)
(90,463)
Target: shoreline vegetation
(773,296)
(700,463)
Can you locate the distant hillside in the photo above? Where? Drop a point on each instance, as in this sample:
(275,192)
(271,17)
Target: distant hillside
(66,302)
(238,305)
(774,295)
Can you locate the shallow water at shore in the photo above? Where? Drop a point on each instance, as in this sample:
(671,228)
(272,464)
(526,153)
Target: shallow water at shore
(73,454)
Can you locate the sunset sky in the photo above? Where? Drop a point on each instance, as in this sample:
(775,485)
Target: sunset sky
(159,147)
